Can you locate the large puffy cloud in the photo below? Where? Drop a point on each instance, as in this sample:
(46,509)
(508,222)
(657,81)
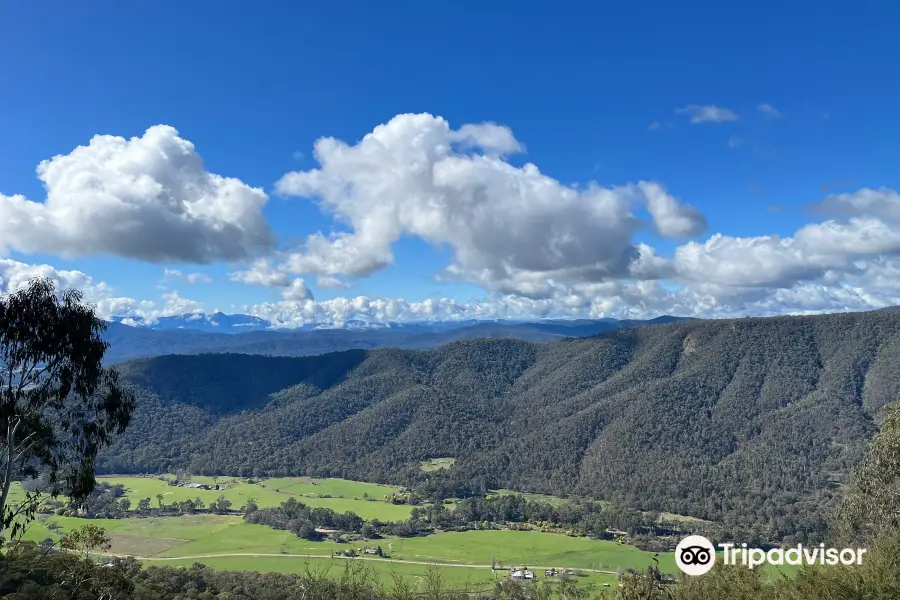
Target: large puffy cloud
(772,261)
(512,229)
(147,197)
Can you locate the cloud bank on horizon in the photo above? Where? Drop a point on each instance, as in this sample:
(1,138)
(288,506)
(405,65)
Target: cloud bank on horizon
(536,246)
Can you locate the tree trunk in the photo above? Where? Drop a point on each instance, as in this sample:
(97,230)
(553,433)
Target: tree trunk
(7,475)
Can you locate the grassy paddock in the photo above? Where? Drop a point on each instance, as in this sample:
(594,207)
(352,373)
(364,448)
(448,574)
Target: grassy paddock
(197,535)
(471,578)
(226,542)
(517,548)
(271,492)
(337,488)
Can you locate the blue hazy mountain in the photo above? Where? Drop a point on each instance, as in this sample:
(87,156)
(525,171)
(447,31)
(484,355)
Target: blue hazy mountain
(200,333)
(216,322)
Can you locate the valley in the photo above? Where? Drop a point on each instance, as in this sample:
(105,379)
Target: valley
(228,542)
(472,560)
(591,456)
(754,424)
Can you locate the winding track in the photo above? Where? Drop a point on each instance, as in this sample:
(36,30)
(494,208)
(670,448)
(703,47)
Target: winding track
(383,560)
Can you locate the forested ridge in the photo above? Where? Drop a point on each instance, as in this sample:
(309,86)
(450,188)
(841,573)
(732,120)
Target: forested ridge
(753,423)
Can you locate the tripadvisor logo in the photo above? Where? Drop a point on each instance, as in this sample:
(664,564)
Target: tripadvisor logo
(696,555)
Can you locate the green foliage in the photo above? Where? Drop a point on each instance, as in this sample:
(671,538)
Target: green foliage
(302,520)
(873,506)
(86,541)
(58,406)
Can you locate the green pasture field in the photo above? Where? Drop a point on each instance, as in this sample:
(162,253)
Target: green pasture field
(210,539)
(272,492)
(227,542)
(198,535)
(382,571)
(237,491)
(524,548)
(337,488)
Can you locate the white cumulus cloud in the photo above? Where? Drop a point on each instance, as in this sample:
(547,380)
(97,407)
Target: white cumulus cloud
(296,290)
(263,273)
(148,198)
(15,274)
(511,229)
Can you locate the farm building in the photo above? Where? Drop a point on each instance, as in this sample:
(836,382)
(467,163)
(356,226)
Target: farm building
(521,574)
(324,531)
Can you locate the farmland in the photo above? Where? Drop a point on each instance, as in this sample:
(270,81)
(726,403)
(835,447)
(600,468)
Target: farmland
(461,577)
(227,542)
(339,495)
(203,535)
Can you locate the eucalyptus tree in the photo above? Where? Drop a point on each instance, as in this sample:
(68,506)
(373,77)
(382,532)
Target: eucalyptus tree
(58,405)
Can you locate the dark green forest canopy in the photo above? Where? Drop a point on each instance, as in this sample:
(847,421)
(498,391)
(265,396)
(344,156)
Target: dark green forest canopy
(751,422)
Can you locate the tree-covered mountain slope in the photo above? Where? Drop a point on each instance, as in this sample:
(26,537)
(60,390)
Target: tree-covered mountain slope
(753,421)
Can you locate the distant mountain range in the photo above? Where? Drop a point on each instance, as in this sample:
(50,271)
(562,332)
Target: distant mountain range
(216,322)
(244,334)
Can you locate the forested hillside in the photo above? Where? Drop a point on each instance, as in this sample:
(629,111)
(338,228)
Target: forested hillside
(754,423)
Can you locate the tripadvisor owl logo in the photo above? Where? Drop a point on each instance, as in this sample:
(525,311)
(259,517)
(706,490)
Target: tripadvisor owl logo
(695,555)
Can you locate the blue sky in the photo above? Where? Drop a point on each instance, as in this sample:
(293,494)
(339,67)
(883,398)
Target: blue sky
(253,86)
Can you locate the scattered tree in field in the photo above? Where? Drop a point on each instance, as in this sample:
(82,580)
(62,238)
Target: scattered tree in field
(368,531)
(58,405)
(144,506)
(221,506)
